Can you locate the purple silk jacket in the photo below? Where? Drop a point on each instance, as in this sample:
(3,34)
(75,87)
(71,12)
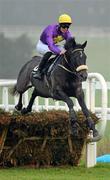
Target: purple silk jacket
(52,35)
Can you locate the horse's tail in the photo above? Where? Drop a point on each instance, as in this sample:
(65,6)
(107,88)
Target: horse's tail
(13,91)
(23,80)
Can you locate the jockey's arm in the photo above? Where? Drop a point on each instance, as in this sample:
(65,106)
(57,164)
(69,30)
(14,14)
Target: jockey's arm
(51,43)
(52,46)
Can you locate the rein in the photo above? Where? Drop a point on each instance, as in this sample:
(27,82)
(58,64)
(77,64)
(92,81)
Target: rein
(79,68)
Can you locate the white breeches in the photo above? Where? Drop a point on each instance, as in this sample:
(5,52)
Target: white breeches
(43,48)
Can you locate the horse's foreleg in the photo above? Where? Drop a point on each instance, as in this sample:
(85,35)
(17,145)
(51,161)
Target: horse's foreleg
(29,107)
(90,123)
(19,105)
(59,94)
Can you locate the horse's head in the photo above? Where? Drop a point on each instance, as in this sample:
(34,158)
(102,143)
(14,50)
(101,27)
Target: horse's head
(76,58)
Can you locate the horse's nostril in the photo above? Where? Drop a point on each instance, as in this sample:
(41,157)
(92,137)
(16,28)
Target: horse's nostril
(83,76)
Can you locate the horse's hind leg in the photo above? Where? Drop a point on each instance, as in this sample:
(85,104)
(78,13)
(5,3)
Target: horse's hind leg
(19,105)
(29,107)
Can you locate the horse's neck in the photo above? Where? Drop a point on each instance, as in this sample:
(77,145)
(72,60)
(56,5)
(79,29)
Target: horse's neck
(64,61)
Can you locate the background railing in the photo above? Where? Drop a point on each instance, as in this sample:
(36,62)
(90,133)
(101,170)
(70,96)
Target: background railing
(8,102)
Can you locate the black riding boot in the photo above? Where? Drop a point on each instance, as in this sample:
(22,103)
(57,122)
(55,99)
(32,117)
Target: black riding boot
(41,65)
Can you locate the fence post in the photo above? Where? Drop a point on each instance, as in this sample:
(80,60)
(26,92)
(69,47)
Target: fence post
(91,147)
(5,98)
(47,104)
(36,106)
(57,105)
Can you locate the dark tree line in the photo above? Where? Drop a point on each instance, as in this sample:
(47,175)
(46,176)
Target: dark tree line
(13,54)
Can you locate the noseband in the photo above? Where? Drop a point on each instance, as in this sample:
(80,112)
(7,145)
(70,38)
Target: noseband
(79,68)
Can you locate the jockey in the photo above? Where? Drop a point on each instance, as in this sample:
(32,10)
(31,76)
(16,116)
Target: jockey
(51,35)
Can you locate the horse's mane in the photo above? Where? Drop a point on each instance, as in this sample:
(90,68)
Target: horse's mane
(71,44)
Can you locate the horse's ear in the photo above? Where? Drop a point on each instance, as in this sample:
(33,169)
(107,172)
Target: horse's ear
(84,45)
(73,42)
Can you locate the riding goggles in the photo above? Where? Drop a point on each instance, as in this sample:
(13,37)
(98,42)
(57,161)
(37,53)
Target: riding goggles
(65,25)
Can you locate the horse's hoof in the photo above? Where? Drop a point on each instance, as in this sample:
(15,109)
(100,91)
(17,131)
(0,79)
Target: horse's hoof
(24,111)
(94,137)
(18,108)
(95,133)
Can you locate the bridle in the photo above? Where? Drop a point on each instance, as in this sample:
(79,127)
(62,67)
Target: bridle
(78,69)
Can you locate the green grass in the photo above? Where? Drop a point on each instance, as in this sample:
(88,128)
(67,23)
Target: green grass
(99,172)
(103,146)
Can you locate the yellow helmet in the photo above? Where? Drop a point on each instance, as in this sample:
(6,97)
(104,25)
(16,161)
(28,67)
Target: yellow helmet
(65,18)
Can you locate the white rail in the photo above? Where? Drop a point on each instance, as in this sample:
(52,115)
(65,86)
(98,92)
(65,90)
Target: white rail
(6,104)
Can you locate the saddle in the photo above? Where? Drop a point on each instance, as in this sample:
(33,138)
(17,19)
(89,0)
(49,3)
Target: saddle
(52,64)
(49,66)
